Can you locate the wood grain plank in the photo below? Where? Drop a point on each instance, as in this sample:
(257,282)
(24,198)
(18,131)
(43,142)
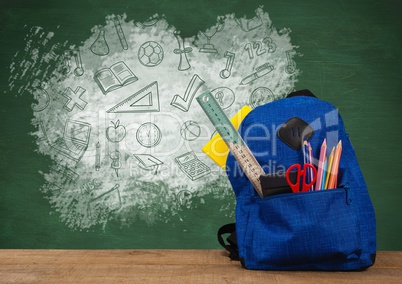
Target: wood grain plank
(169,266)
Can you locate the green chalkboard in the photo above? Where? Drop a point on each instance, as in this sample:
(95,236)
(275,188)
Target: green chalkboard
(125,184)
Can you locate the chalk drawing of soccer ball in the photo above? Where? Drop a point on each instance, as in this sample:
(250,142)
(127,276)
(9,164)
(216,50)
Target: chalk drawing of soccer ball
(150,54)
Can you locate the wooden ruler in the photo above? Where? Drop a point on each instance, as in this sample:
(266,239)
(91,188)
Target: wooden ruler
(233,140)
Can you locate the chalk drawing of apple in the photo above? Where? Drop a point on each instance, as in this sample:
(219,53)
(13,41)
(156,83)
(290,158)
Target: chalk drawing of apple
(115,133)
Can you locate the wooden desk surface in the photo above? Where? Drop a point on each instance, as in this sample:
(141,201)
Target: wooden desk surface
(169,266)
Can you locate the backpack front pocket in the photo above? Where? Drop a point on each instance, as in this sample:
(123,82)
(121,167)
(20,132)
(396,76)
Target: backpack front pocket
(306,228)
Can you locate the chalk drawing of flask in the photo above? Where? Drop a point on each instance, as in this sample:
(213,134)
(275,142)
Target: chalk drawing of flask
(100,47)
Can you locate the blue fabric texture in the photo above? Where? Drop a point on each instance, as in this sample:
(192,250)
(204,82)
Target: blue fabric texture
(318,230)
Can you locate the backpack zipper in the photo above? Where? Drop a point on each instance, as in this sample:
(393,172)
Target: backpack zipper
(347,188)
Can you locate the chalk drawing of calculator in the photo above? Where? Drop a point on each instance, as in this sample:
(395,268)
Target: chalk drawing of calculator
(192,166)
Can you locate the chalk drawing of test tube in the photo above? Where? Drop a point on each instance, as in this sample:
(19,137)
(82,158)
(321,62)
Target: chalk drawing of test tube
(120,33)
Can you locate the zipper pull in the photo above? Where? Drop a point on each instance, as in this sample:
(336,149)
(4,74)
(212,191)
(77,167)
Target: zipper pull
(347,188)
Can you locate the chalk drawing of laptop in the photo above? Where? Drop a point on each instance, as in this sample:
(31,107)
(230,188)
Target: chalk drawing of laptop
(75,139)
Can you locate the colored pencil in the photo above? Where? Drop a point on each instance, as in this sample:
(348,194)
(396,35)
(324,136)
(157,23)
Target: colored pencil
(324,173)
(331,157)
(311,162)
(339,163)
(305,159)
(305,151)
(335,166)
(320,171)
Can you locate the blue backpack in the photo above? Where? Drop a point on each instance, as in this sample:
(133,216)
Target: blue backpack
(316,230)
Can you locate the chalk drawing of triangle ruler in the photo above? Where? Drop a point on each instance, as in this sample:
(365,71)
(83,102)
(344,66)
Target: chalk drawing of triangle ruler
(233,140)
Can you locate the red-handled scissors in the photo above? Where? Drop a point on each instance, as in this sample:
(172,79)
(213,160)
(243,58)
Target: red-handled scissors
(300,173)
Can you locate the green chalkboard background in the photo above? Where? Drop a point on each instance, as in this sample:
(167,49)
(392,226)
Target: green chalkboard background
(351,57)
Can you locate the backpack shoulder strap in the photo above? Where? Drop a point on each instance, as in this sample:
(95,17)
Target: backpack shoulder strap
(304,92)
(231,245)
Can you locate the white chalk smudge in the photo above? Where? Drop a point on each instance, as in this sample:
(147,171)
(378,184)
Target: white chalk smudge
(145,77)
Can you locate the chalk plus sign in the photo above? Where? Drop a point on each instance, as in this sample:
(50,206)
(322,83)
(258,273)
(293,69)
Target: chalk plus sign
(74,98)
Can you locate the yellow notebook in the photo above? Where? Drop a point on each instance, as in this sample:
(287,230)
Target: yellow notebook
(216,148)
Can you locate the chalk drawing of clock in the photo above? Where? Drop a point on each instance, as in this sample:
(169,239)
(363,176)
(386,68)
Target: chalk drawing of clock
(149,135)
